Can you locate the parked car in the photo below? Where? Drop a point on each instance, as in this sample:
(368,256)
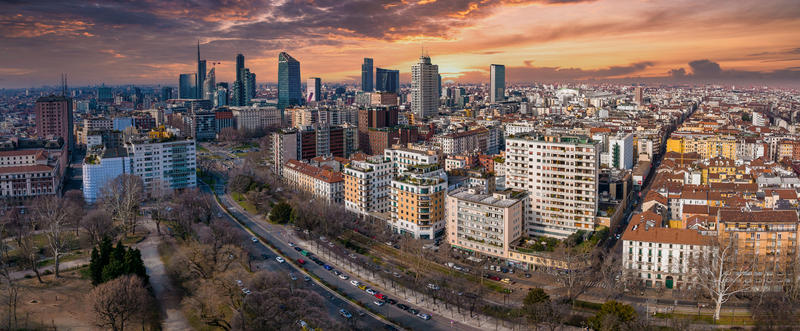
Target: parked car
(343,276)
(380,296)
(390,301)
(327,267)
(279,259)
(298,249)
(291,244)
(371,291)
(413,311)
(527,275)
(362,287)
(506,280)
(306,278)
(264,256)
(424,316)
(402,306)
(495,278)
(254,239)
(345,313)
(239,282)
(433,286)
(336,272)
(301,261)
(292,276)
(379,303)
(355,282)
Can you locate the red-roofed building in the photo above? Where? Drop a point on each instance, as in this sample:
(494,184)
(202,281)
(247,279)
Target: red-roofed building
(319,181)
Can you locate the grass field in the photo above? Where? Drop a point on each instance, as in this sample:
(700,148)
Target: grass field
(249,207)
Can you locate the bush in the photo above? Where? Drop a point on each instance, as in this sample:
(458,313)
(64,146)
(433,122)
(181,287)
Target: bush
(280,213)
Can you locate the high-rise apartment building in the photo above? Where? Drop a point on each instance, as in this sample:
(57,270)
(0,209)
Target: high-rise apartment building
(417,202)
(620,151)
(239,66)
(164,161)
(497,82)
(289,93)
(187,87)
(201,75)
(54,118)
(367,75)
(561,174)
(238,89)
(387,80)
(638,95)
(366,185)
(313,89)
(249,86)
(424,88)
(210,85)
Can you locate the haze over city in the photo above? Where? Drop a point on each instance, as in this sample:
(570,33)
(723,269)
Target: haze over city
(151,42)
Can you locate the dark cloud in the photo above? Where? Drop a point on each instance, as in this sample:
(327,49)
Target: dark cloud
(530,73)
(709,71)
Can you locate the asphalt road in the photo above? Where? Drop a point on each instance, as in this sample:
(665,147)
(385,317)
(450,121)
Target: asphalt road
(332,301)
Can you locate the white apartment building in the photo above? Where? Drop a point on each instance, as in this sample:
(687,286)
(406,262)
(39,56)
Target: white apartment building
(366,185)
(485,223)
(661,257)
(402,158)
(424,88)
(560,172)
(620,151)
(321,182)
(284,148)
(476,140)
(256,118)
(168,161)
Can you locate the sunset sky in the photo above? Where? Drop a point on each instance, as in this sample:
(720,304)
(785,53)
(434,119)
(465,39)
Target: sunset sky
(144,42)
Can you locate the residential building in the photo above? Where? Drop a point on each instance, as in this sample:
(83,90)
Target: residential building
(424,88)
(366,185)
(402,158)
(163,159)
(561,174)
(417,202)
(475,140)
(254,119)
(284,148)
(321,182)
(620,150)
(100,167)
(485,223)
(54,119)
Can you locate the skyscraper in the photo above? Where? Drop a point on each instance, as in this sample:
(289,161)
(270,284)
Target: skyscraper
(210,85)
(249,86)
(424,88)
(638,95)
(366,75)
(289,93)
(54,118)
(313,89)
(201,75)
(387,80)
(239,66)
(497,82)
(166,93)
(186,86)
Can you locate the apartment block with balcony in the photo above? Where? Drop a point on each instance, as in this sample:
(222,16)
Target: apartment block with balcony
(322,182)
(417,202)
(366,185)
(561,173)
(486,224)
(402,158)
(168,161)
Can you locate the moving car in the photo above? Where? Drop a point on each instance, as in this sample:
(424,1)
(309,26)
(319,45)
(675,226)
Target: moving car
(345,313)
(424,316)
(362,287)
(279,259)
(390,301)
(291,275)
(306,278)
(380,296)
(343,276)
(413,311)
(291,244)
(379,303)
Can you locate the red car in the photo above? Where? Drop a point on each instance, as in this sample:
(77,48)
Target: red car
(301,261)
(495,278)
(380,296)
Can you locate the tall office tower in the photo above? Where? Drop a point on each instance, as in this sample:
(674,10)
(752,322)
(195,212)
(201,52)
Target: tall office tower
(239,66)
(237,94)
(366,75)
(289,93)
(497,83)
(105,94)
(210,85)
(221,96)
(313,89)
(638,95)
(54,118)
(387,80)
(424,88)
(166,93)
(186,86)
(201,75)
(561,173)
(249,86)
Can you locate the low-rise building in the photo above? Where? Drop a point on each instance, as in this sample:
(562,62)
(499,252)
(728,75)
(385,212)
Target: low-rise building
(321,182)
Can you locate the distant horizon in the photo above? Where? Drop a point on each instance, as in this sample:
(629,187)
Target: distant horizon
(745,42)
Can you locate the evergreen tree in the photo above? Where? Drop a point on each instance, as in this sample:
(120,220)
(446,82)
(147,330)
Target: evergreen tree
(96,267)
(109,262)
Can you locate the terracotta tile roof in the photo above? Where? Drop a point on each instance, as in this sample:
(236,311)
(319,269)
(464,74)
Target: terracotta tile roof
(782,194)
(325,175)
(25,168)
(653,232)
(695,209)
(776,216)
(655,196)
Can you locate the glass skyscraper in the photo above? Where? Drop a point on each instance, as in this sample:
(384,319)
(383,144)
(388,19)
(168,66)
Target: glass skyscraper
(313,89)
(187,86)
(497,82)
(366,75)
(289,92)
(387,80)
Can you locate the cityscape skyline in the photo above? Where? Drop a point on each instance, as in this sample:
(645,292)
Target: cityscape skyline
(538,41)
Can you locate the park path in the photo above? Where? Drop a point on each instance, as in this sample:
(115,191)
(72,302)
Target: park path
(63,266)
(165,291)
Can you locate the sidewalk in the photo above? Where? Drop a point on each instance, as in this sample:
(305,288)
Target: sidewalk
(61,267)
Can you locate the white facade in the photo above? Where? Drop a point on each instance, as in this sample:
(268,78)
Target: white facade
(402,158)
(424,88)
(561,175)
(284,148)
(172,163)
(486,223)
(256,118)
(620,151)
(367,185)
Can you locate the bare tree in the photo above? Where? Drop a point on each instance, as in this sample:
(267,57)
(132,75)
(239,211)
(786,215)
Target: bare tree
(123,197)
(720,272)
(28,249)
(52,214)
(119,301)
(575,274)
(77,207)
(11,289)
(98,224)
(159,195)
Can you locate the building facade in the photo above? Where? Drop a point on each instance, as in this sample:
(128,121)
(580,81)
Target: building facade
(497,83)
(54,119)
(485,223)
(366,185)
(289,93)
(367,75)
(424,88)
(417,202)
(321,182)
(170,162)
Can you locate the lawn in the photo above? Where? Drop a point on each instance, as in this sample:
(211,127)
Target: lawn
(61,302)
(202,149)
(724,318)
(247,205)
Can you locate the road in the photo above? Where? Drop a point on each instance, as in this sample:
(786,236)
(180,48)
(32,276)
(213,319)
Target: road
(334,301)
